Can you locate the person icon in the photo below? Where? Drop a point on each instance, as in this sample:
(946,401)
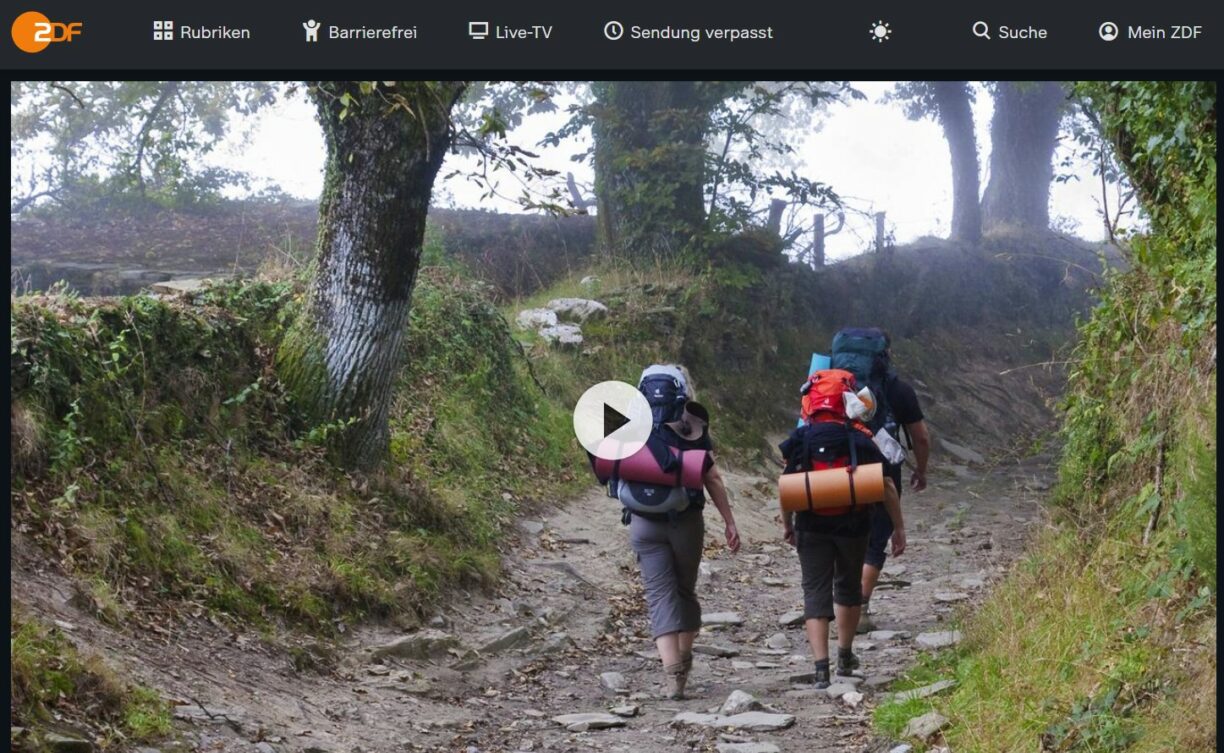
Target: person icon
(312,30)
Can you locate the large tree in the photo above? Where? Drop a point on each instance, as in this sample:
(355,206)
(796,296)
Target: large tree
(1023,136)
(680,163)
(385,142)
(950,102)
(650,155)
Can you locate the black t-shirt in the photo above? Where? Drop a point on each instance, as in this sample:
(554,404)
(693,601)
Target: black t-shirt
(903,403)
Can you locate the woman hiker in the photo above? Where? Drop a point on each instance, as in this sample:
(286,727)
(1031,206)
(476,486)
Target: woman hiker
(668,544)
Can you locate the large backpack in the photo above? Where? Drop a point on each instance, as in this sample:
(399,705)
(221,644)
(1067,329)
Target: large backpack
(824,396)
(821,445)
(863,351)
(667,391)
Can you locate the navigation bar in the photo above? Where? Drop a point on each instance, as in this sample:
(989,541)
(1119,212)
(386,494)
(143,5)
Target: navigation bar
(348,36)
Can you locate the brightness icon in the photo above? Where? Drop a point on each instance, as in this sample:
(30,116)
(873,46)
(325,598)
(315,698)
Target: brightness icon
(880,31)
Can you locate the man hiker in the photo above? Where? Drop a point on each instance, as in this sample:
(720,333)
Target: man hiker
(830,541)
(906,414)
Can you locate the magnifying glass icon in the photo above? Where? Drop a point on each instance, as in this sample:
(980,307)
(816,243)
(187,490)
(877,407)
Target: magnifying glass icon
(981,29)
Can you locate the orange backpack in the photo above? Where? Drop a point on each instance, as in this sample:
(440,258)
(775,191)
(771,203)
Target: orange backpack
(823,401)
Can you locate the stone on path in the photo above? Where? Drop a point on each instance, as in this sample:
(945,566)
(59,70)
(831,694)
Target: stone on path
(747,748)
(737,664)
(778,641)
(536,319)
(710,649)
(839,689)
(627,710)
(532,527)
(754,721)
(922,692)
(738,702)
(577,309)
(66,744)
(420,645)
(776,582)
(948,597)
(614,681)
(588,721)
(852,699)
(888,635)
(767,665)
(924,727)
(972,583)
(961,453)
(791,619)
(902,748)
(506,640)
(938,639)
(721,618)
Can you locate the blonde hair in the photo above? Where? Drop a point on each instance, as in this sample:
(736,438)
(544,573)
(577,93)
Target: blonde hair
(688,379)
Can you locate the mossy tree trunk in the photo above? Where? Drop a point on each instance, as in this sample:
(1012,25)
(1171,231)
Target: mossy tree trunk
(650,152)
(384,147)
(1023,135)
(956,117)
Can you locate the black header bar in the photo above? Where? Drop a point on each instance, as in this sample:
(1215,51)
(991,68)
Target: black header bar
(354,35)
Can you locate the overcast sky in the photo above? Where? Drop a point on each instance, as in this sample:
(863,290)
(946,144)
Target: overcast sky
(866,150)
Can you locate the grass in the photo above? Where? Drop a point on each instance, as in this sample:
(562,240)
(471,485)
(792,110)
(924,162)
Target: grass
(53,687)
(158,460)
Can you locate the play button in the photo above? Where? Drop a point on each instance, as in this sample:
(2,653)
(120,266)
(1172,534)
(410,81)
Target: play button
(612,420)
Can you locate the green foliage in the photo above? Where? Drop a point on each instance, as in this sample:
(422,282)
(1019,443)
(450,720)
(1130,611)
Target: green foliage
(1096,640)
(1139,370)
(51,684)
(81,142)
(176,466)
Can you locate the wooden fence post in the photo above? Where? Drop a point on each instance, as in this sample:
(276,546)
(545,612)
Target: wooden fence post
(776,207)
(818,240)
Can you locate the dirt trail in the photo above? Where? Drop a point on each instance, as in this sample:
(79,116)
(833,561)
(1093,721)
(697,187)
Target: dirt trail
(491,672)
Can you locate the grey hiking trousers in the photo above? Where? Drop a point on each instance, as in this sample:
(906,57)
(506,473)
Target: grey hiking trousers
(669,556)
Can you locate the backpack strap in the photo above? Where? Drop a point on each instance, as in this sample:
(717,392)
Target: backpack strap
(850,469)
(807,487)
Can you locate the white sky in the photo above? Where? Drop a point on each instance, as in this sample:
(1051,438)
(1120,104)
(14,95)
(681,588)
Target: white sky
(868,151)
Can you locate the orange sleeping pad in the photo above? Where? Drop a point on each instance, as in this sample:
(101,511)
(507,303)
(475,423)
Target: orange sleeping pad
(831,488)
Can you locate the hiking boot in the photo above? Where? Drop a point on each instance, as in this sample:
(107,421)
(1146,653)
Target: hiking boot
(822,677)
(677,679)
(865,624)
(847,662)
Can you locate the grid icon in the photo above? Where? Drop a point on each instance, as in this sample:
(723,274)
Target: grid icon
(163,31)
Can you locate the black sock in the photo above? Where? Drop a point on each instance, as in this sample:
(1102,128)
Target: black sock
(822,664)
(844,653)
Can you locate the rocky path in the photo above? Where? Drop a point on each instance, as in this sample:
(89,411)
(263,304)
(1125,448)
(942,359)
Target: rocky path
(559,659)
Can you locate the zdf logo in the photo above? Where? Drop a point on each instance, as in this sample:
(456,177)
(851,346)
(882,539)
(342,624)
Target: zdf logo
(32,31)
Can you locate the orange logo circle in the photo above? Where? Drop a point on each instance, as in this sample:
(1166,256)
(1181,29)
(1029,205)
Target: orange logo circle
(30,31)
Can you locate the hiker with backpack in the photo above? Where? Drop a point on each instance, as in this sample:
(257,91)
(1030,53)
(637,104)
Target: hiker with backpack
(830,535)
(867,353)
(666,526)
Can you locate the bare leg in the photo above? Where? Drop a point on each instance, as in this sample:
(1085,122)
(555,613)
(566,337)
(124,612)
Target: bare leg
(871,576)
(847,623)
(818,637)
(669,648)
(687,639)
